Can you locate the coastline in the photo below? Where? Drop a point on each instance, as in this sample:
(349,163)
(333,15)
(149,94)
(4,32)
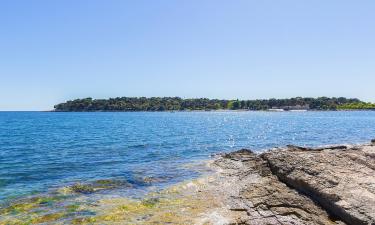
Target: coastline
(287,185)
(205,104)
(299,185)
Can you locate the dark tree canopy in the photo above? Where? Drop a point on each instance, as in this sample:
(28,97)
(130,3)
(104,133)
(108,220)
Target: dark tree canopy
(176,103)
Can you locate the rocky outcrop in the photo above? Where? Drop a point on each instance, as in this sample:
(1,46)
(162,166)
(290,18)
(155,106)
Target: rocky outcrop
(341,180)
(299,185)
(253,190)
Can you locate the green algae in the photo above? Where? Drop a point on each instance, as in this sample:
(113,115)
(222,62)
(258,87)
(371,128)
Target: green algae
(82,188)
(72,208)
(26,205)
(59,205)
(34,210)
(151,202)
(33,218)
(52,217)
(83,220)
(95,186)
(50,200)
(109,184)
(175,205)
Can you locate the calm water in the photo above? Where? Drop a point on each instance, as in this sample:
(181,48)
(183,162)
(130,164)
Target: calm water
(40,151)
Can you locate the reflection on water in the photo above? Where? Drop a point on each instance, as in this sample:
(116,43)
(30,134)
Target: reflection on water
(41,152)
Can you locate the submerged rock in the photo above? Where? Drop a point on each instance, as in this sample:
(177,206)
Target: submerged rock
(98,185)
(292,186)
(82,188)
(110,184)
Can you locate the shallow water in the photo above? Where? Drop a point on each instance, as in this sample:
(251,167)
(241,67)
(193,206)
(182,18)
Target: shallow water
(43,151)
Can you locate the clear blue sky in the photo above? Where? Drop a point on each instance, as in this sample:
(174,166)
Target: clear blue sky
(52,51)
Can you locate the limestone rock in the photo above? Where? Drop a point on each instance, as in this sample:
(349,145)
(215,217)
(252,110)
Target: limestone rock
(341,180)
(251,188)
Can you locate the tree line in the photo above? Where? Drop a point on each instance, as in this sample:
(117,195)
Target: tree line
(176,103)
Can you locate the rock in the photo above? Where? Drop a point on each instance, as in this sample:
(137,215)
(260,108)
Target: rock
(106,184)
(299,185)
(98,185)
(373,141)
(299,148)
(341,181)
(148,180)
(249,189)
(82,188)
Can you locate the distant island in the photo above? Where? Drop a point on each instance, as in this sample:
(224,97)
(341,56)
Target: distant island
(179,104)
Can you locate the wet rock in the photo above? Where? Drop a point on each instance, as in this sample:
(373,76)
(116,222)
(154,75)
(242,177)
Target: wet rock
(150,202)
(82,188)
(106,184)
(341,180)
(148,180)
(98,185)
(293,185)
(151,180)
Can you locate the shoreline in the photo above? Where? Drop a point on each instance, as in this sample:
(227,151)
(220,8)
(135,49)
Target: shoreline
(300,185)
(285,185)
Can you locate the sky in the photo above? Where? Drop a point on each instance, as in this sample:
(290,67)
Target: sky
(53,51)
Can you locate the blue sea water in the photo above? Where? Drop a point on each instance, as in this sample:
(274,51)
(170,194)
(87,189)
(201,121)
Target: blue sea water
(40,151)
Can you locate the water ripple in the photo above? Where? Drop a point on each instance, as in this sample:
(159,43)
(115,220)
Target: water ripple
(43,150)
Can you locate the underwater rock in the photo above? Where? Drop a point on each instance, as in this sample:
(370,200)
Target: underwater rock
(98,185)
(292,185)
(148,180)
(110,184)
(82,188)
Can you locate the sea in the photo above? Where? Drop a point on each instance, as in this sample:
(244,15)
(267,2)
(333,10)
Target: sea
(44,151)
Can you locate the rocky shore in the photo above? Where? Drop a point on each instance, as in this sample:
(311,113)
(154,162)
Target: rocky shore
(282,186)
(298,185)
